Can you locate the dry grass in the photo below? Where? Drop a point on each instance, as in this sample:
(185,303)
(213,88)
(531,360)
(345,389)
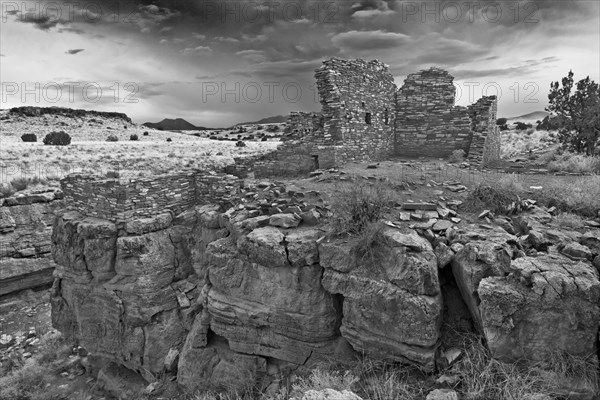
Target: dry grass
(495,196)
(577,163)
(521,142)
(579,195)
(35,378)
(355,205)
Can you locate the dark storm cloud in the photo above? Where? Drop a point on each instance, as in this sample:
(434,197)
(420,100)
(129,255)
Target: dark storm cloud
(74,51)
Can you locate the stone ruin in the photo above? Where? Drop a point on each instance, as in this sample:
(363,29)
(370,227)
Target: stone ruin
(231,283)
(365,117)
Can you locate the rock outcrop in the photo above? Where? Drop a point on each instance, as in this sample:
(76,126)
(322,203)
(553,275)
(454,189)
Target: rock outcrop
(25,227)
(231,299)
(392,303)
(547,305)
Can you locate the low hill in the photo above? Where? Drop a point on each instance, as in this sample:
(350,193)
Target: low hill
(278,119)
(534,116)
(178,124)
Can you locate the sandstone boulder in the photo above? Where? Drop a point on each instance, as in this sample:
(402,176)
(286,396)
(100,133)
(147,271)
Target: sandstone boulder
(277,312)
(485,253)
(392,302)
(546,304)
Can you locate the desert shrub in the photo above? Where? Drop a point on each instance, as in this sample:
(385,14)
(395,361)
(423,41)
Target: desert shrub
(486,378)
(570,220)
(504,127)
(457,156)
(495,196)
(529,131)
(579,163)
(169,140)
(58,138)
(29,137)
(145,133)
(134,137)
(579,196)
(112,138)
(521,126)
(355,206)
(501,121)
(212,137)
(264,139)
(240,143)
(112,174)
(6,190)
(19,183)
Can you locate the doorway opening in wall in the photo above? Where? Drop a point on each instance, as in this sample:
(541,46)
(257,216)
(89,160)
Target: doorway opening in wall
(368,118)
(315,160)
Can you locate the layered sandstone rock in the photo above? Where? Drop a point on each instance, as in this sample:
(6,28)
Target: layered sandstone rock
(392,304)
(25,228)
(546,305)
(484,253)
(125,297)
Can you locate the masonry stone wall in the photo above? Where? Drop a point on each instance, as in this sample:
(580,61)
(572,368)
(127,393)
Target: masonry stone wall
(119,200)
(358,107)
(485,144)
(428,124)
(365,117)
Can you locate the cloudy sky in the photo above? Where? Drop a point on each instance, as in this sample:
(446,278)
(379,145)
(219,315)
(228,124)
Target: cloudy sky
(219,62)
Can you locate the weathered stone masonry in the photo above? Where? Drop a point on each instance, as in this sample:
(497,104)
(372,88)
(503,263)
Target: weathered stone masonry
(365,117)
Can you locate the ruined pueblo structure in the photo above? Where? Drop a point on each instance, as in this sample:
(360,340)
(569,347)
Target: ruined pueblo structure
(365,117)
(230,283)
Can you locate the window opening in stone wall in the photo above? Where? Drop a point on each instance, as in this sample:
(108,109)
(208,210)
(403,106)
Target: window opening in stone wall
(362,104)
(368,118)
(386,117)
(315,162)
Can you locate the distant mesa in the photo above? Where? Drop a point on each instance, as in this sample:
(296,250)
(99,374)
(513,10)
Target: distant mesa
(534,116)
(178,124)
(28,111)
(269,120)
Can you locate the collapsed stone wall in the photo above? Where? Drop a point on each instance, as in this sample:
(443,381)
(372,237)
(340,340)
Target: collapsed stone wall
(231,298)
(25,227)
(428,123)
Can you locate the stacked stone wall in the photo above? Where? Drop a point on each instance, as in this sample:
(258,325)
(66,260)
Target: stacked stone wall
(365,118)
(428,124)
(485,144)
(358,107)
(119,200)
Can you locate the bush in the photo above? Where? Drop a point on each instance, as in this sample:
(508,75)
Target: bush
(577,163)
(6,190)
(240,143)
(112,138)
(60,138)
(579,196)
(133,137)
(495,196)
(29,137)
(356,206)
(501,121)
(19,184)
(457,156)
(521,126)
(146,133)
(169,140)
